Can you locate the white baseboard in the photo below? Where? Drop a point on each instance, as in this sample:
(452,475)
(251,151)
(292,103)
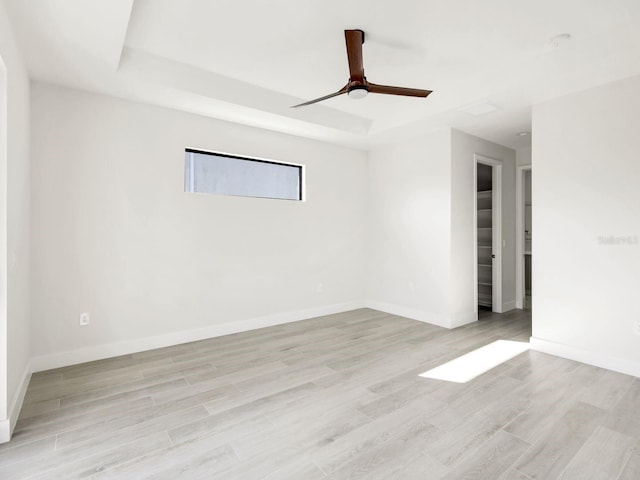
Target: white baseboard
(412,313)
(5,431)
(18,397)
(511,305)
(99,352)
(7,426)
(586,356)
(465,318)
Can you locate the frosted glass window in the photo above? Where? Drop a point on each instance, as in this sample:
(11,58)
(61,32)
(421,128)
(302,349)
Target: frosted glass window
(229,175)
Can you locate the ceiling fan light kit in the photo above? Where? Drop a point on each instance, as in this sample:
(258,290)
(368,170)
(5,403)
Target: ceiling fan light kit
(357,92)
(358,86)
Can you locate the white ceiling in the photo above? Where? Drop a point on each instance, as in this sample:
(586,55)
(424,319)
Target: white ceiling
(247,62)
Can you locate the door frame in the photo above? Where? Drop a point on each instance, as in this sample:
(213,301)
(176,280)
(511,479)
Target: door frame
(6,407)
(496,232)
(520,240)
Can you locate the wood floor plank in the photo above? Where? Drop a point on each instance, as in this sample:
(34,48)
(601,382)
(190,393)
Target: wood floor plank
(472,400)
(602,457)
(297,468)
(461,442)
(78,385)
(549,456)
(335,455)
(105,459)
(145,386)
(394,401)
(32,428)
(606,389)
(391,458)
(631,470)
(39,408)
(625,424)
(263,403)
(220,425)
(26,451)
(491,460)
(144,416)
(513,474)
(192,460)
(628,404)
(548,405)
(103,442)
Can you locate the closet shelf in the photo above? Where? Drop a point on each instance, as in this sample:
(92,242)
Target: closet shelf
(485,265)
(485,283)
(485,300)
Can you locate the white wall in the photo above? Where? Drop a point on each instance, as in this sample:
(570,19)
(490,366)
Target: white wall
(409,228)
(14,229)
(115,235)
(523,156)
(420,227)
(463,148)
(586,189)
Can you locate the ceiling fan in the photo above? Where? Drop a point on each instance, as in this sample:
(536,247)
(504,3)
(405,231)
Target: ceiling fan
(358,85)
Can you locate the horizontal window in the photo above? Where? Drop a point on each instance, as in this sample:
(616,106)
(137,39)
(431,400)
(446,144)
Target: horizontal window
(224,174)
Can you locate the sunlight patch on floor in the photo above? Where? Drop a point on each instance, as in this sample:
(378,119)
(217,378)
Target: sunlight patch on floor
(472,364)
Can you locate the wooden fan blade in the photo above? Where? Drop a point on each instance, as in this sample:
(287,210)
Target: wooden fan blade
(354,40)
(331,95)
(407,92)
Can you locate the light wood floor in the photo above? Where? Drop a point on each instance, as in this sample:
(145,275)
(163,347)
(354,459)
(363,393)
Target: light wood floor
(336,397)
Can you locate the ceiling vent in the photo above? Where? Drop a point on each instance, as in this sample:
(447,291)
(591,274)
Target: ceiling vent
(478,108)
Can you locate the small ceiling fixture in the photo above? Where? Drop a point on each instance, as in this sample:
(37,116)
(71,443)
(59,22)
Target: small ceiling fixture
(478,108)
(524,134)
(559,40)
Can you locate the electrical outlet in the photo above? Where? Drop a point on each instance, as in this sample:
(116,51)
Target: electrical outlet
(636,327)
(84,319)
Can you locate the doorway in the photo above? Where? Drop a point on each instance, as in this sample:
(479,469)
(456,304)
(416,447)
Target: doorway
(488,233)
(524,237)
